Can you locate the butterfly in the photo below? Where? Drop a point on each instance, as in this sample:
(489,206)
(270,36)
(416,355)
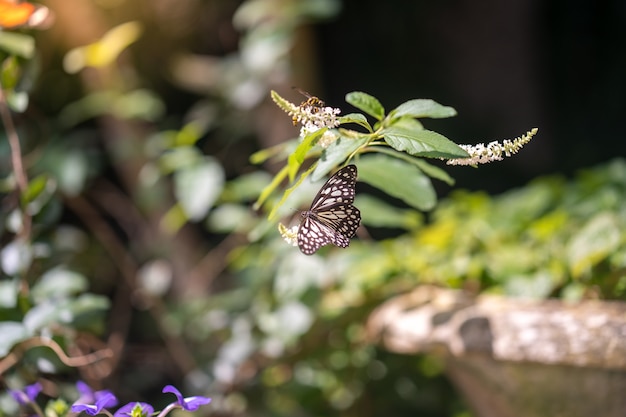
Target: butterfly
(332,218)
(15,14)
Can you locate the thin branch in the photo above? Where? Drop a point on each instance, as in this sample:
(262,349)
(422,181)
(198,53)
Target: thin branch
(16,159)
(77,361)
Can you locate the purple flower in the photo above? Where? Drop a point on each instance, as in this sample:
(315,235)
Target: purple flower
(88,395)
(106,400)
(131,409)
(189,403)
(28,395)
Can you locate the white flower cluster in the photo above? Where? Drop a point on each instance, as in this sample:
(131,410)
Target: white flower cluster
(313,115)
(314,118)
(493,151)
(289,234)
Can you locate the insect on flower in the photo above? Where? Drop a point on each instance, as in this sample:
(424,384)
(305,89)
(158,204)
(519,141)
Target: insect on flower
(311,104)
(332,218)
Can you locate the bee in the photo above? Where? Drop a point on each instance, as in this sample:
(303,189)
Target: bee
(312,104)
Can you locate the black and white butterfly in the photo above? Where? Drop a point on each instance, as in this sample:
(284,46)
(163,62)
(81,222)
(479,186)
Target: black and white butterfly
(332,218)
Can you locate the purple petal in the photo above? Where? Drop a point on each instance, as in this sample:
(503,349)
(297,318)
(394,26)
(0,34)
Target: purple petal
(33,390)
(83,388)
(172,389)
(189,403)
(105,401)
(27,395)
(90,409)
(124,411)
(193,403)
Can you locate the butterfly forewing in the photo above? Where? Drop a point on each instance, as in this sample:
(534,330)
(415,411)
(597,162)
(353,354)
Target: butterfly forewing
(332,218)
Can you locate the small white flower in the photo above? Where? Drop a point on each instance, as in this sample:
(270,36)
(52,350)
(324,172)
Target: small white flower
(494,151)
(327,138)
(289,234)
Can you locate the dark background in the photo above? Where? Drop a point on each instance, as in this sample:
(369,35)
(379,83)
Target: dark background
(505,66)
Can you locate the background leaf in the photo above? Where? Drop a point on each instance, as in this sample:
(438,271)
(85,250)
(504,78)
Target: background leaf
(399,179)
(197,187)
(335,154)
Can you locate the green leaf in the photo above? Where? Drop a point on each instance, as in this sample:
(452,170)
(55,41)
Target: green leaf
(197,187)
(335,154)
(433,171)
(419,108)
(356,118)
(281,150)
(10,72)
(245,187)
(12,333)
(422,143)
(17,44)
(377,213)
(297,157)
(9,290)
(267,191)
(36,186)
(366,103)
(399,179)
(274,213)
(230,218)
(59,282)
(597,239)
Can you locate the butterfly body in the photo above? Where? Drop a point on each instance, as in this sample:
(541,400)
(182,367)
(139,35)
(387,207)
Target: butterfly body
(332,218)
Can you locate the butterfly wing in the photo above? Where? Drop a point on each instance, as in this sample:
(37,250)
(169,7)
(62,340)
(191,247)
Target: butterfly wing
(313,234)
(338,189)
(332,218)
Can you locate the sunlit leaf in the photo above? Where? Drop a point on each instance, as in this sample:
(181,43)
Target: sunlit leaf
(105,51)
(16,256)
(198,186)
(420,108)
(422,143)
(297,157)
(59,282)
(335,154)
(19,44)
(366,103)
(598,238)
(9,290)
(356,118)
(12,333)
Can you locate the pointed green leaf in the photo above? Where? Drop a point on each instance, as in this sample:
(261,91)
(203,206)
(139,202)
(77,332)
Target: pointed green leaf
(433,171)
(335,154)
(366,103)
(422,108)
(297,157)
(356,118)
(422,143)
(399,179)
(267,191)
(274,212)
